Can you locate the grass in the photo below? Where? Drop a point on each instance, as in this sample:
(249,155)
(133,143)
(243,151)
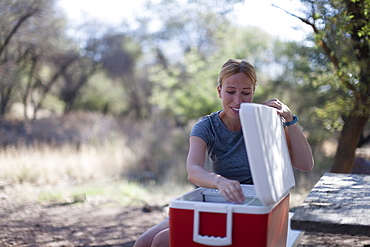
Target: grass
(43,164)
(101,160)
(96,175)
(119,193)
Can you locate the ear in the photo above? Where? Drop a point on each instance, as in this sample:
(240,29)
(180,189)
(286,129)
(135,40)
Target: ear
(219,91)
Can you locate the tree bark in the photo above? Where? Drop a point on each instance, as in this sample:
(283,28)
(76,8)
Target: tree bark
(355,124)
(352,129)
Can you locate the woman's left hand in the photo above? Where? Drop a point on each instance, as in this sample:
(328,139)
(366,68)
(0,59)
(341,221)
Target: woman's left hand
(282,109)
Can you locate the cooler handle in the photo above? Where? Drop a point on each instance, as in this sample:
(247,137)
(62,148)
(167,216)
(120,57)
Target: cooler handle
(212,240)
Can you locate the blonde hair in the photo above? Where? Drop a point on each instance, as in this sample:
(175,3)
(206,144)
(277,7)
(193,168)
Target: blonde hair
(234,66)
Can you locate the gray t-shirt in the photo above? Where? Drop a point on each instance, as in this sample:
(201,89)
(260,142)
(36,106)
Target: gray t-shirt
(225,148)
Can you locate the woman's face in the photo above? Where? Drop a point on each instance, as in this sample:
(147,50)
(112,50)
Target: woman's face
(235,90)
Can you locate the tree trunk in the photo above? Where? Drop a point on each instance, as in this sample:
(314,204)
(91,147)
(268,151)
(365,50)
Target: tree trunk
(355,124)
(345,156)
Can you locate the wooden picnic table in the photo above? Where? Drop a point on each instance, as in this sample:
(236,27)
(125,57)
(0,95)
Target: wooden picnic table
(339,204)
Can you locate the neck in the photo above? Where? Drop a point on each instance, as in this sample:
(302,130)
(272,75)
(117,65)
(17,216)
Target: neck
(231,124)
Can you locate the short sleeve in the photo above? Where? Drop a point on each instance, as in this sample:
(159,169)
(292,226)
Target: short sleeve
(203,130)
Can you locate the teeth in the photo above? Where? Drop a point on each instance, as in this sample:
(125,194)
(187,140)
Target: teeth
(236,109)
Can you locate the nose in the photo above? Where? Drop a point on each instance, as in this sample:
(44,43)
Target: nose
(238,98)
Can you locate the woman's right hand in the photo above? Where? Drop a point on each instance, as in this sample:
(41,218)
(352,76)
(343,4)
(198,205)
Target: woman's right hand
(230,189)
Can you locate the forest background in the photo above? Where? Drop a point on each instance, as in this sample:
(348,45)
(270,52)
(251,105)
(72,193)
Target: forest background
(117,103)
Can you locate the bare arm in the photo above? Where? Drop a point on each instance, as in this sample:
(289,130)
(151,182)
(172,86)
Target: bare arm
(199,176)
(299,149)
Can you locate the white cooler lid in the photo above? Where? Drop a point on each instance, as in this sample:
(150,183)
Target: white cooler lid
(267,151)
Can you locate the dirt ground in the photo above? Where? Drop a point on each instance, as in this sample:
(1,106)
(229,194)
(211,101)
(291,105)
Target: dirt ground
(30,223)
(76,224)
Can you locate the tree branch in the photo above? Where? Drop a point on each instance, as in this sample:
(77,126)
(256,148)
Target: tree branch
(329,52)
(16,27)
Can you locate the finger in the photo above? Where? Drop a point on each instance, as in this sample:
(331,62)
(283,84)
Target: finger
(231,191)
(236,194)
(240,195)
(275,103)
(228,194)
(268,103)
(225,193)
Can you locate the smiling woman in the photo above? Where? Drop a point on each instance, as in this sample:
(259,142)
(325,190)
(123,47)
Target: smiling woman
(237,83)
(220,136)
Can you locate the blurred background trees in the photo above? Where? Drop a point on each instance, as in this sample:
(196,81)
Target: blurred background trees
(164,68)
(341,30)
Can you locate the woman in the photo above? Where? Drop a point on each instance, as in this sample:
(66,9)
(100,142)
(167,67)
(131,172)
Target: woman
(220,135)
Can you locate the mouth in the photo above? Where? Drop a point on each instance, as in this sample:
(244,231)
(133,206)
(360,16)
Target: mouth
(235,109)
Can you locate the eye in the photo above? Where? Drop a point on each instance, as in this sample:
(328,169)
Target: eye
(246,94)
(230,92)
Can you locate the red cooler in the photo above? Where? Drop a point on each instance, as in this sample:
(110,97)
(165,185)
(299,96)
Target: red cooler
(203,218)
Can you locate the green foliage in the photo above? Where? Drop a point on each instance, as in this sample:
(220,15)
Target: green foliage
(335,74)
(332,113)
(54,104)
(187,90)
(172,67)
(301,82)
(101,95)
(343,34)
